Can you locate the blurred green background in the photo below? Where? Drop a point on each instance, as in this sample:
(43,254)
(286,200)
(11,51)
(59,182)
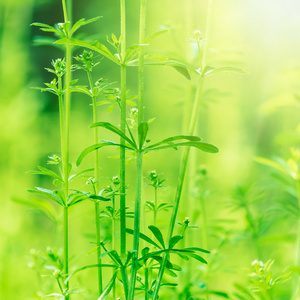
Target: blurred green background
(244,115)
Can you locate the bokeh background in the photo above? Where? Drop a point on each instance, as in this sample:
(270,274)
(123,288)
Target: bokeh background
(244,115)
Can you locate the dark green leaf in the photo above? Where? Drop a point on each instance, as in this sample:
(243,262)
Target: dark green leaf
(48,193)
(197,257)
(174,240)
(157,233)
(199,145)
(95,147)
(109,286)
(114,129)
(142,132)
(169,140)
(89,267)
(41,205)
(144,237)
(100,198)
(96,47)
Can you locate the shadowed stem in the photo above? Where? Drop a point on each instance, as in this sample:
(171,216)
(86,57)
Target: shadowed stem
(122,149)
(96,185)
(297,256)
(139,161)
(67,11)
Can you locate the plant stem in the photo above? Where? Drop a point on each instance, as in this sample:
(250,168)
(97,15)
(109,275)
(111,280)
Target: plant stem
(65,147)
(155,206)
(146,283)
(139,160)
(96,186)
(182,172)
(202,51)
(297,256)
(137,213)
(122,149)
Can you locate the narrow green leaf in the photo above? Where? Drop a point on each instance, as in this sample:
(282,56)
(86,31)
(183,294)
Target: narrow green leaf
(191,138)
(81,23)
(89,267)
(114,129)
(144,237)
(182,70)
(197,249)
(41,205)
(157,233)
(273,164)
(154,35)
(199,145)
(95,147)
(100,198)
(197,257)
(142,132)
(174,240)
(96,47)
(109,286)
(48,193)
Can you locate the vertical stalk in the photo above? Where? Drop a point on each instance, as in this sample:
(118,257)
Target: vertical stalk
(65,147)
(297,256)
(155,205)
(202,50)
(123,129)
(122,149)
(139,161)
(137,213)
(146,283)
(96,186)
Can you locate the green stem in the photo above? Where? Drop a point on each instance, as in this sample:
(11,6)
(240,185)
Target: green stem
(65,146)
(141,69)
(96,186)
(139,161)
(297,256)
(155,206)
(122,149)
(137,216)
(146,283)
(204,223)
(251,223)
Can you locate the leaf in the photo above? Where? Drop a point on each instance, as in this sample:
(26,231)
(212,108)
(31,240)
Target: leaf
(218,293)
(97,47)
(144,237)
(174,240)
(226,70)
(273,164)
(197,249)
(80,174)
(41,205)
(100,198)
(47,172)
(157,233)
(175,138)
(108,288)
(199,145)
(95,147)
(89,267)
(114,129)
(142,132)
(197,257)
(81,23)
(244,291)
(154,35)
(48,193)
(182,70)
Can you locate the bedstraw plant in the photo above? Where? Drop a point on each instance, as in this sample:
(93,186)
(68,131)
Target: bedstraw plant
(135,268)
